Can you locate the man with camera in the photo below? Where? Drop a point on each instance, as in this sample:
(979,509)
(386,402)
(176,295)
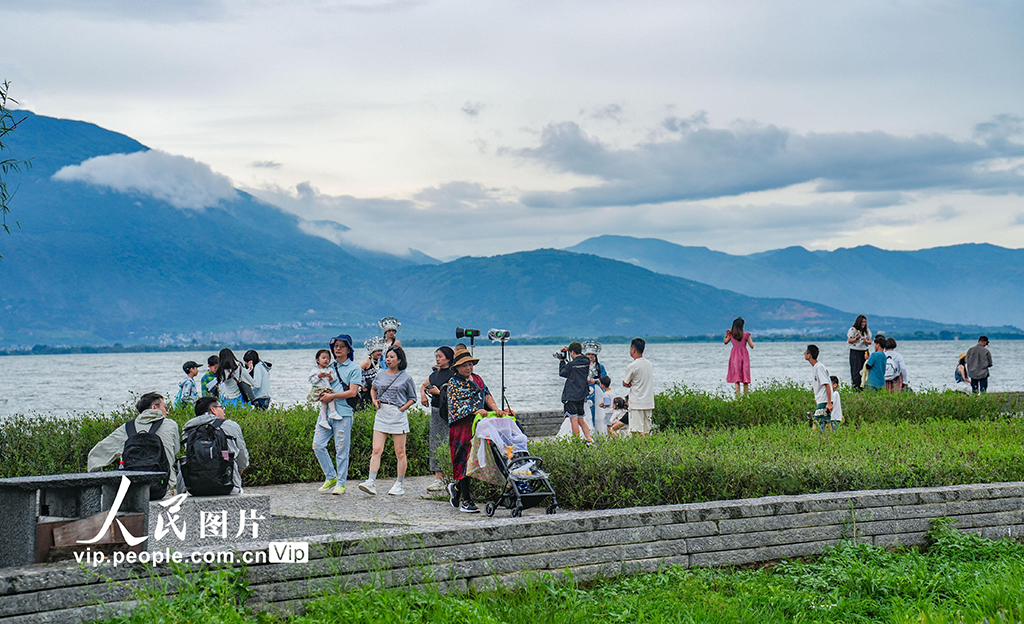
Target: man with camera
(575,366)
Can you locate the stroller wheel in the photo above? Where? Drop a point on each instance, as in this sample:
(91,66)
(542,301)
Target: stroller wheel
(489,509)
(517,511)
(551,509)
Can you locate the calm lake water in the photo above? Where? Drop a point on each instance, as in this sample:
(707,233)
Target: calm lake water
(68,384)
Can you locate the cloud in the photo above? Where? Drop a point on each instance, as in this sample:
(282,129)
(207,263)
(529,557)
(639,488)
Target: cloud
(699,162)
(265,164)
(613,112)
(472,108)
(160,12)
(946,212)
(182,182)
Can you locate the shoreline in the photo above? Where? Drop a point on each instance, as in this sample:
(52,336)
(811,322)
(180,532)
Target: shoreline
(432,342)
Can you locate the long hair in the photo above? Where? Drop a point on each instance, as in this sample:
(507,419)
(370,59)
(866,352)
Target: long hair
(737,329)
(448,353)
(861,319)
(228,364)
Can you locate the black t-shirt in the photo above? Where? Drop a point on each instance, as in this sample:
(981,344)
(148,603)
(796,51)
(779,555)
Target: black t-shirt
(439,378)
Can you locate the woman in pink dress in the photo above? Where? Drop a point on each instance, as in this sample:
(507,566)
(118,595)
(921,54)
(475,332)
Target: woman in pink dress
(739,359)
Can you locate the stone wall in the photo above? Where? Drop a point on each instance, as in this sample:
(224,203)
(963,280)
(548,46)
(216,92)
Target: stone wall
(589,544)
(540,424)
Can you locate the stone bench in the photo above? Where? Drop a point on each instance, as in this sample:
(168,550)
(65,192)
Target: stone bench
(61,499)
(208,521)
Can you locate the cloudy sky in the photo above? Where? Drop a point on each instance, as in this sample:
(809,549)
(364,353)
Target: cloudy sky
(487,127)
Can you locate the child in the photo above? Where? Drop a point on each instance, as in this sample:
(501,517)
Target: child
(604,409)
(208,384)
(620,415)
(320,379)
(837,406)
(187,392)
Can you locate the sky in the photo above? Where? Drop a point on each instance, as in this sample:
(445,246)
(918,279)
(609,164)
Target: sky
(478,128)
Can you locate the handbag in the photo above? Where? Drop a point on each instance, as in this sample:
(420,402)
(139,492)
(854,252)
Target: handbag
(248,394)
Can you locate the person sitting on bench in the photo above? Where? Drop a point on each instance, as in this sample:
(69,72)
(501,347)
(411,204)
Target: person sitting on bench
(206,468)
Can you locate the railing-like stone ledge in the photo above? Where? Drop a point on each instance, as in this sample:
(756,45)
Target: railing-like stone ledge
(590,544)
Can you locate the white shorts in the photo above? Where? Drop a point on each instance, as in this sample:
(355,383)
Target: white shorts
(390,419)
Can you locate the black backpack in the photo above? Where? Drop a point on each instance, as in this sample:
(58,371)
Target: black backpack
(143,450)
(208,467)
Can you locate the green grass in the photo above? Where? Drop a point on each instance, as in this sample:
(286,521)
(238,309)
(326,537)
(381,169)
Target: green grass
(279,440)
(959,578)
(787,403)
(693,466)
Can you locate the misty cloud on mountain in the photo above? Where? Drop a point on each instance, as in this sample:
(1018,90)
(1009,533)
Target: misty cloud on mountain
(180,181)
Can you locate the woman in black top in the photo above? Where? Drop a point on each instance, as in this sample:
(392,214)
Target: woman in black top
(431,395)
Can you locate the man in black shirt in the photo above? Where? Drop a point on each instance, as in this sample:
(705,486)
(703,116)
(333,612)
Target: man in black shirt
(575,366)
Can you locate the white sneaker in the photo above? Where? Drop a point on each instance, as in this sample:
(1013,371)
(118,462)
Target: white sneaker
(368,487)
(436,486)
(397,489)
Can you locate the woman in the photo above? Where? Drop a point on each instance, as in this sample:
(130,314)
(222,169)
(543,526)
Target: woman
(960,376)
(393,392)
(739,358)
(591,349)
(370,366)
(389,325)
(431,395)
(229,375)
(859,338)
(260,372)
(467,397)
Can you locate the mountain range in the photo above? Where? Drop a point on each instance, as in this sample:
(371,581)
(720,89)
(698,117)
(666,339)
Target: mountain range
(977,284)
(95,263)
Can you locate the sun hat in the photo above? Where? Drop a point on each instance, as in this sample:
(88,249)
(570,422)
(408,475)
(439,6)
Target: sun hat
(961,356)
(463,356)
(342,338)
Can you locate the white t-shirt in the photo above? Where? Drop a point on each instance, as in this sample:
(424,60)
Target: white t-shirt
(640,376)
(837,408)
(821,379)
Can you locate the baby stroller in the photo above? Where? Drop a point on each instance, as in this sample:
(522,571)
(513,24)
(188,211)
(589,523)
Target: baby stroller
(523,482)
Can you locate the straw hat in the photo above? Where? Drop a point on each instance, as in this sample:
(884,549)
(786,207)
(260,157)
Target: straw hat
(463,356)
(961,356)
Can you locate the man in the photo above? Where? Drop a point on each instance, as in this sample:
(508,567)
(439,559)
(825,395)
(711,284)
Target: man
(208,384)
(822,384)
(876,366)
(187,391)
(209,411)
(337,424)
(979,360)
(639,378)
(575,367)
(152,416)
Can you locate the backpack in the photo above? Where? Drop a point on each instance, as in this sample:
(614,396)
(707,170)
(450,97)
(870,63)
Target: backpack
(892,370)
(143,450)
(208,467)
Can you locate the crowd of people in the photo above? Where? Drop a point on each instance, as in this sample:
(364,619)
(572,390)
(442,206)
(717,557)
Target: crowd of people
(215,452)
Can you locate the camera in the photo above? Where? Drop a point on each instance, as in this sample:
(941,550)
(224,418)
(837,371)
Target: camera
(561,354)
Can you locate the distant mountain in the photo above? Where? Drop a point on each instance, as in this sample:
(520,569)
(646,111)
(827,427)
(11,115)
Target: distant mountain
(92,265)
(968,284)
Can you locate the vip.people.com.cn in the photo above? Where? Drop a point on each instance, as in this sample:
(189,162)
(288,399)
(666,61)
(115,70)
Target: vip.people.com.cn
(277,552)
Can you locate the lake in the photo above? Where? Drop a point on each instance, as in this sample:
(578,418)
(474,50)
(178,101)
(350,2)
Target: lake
(68,384)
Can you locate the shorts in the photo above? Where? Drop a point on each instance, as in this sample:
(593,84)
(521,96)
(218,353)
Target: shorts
(822,416)
(573,409)
(640,420)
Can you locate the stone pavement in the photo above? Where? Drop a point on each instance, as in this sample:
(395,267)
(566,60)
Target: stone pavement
(356,508)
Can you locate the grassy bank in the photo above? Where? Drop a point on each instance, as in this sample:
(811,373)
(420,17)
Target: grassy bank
(781,403)
(677,465)
(959,578)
